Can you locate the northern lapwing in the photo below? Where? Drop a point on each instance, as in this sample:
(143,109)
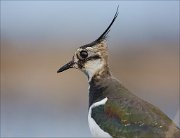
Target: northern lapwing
(113,110)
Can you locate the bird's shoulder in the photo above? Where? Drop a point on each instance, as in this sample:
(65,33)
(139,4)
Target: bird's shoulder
(125,114)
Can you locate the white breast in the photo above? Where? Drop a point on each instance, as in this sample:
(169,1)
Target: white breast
(96,131)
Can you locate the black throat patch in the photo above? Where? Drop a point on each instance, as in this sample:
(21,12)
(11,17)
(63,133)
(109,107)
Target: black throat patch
(96,92)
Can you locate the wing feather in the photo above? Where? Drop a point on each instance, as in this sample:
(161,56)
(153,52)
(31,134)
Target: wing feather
(126,115)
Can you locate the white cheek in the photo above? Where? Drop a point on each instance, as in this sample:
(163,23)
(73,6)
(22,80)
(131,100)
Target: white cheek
(92,66)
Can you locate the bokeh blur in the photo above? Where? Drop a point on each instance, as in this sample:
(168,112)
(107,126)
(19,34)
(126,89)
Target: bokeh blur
(37,37)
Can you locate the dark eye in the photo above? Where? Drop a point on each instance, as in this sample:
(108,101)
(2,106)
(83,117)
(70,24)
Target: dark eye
(84,54)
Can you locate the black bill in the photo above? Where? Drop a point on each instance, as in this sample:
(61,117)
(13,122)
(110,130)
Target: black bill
(66,66)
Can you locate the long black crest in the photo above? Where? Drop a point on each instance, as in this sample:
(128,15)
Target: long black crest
(104,34)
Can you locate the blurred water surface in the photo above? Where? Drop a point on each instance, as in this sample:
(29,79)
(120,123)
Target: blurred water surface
(39,37)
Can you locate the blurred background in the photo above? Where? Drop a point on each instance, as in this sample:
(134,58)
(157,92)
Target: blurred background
(38,37)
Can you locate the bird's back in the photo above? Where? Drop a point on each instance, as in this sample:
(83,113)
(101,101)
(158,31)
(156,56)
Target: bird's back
(125,114)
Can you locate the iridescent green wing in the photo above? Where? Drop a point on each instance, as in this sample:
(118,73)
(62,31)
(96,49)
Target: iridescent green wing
(131,118)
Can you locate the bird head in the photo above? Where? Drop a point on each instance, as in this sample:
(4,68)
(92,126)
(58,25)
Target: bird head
(92,58)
